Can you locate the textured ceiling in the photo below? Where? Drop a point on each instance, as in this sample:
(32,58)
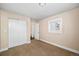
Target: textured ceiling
(37,12)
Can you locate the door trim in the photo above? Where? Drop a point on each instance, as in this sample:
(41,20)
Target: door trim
(8,30)
(3,49)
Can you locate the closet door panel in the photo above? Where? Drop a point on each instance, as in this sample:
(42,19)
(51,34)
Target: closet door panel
(17,32)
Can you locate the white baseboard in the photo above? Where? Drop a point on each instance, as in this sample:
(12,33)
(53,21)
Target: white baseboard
(66,48)
(3,49)
(29,42)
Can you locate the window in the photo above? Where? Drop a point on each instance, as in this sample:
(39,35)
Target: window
(55,25)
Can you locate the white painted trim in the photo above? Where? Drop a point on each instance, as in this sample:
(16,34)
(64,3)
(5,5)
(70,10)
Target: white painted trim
(66,48)
(29,42)
(3,49)
(52,21)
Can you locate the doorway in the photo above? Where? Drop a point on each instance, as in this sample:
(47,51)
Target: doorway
(35,30)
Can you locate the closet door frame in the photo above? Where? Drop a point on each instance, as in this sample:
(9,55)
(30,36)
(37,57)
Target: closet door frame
(9,31)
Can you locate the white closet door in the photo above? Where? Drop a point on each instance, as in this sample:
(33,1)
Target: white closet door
(17,32)
(37,31)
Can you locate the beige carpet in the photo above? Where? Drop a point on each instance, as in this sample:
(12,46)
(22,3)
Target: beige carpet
(37,48)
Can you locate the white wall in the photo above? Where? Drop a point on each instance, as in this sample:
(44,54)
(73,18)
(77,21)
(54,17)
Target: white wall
(70,32)
(5,15)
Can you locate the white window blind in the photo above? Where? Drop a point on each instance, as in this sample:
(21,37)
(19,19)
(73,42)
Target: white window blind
(55,25)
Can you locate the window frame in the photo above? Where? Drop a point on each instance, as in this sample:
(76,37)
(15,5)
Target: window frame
(53,20)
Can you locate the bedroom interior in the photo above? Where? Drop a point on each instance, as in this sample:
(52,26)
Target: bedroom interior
(39,29)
